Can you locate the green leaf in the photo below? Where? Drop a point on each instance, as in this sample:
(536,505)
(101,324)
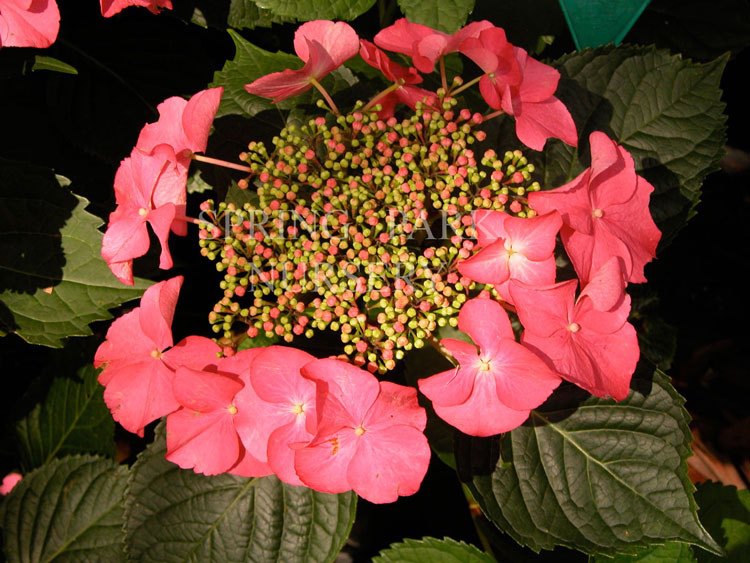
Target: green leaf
(431,550)
(445,15)
(50,63)
(72,419)
(240,197)
(257,342)
(177,515)
(68,510)
(197,185)
(247,14)
(251,62)
(592,474)
(306,10)
(657,339)
(725,512)
(665,110)
(672,552)
(53,281)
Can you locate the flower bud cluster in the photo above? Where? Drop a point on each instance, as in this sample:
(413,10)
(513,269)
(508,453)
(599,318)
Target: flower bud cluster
(358,228)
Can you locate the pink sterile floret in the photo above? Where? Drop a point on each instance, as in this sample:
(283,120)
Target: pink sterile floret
(182,129)
(405,77)
(9,482)
(277,408)
(369,435)
(588,340)
(323,45)
(202,435)
(539,115)
(492,52)
(183,125)
(111,7)
(28,23)
(138,384)
(127,237)
(423,44)
(522,87)
(513,248)
(494,388)
(605,212)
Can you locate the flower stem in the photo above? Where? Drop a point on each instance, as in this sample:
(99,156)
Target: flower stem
(392,88)
(441,350)
(443,77)
(326,96)
(187,219)
(492,115)
(507,306)
(219,162)
(469,84)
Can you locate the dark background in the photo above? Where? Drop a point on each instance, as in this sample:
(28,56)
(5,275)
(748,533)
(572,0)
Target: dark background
(82,126)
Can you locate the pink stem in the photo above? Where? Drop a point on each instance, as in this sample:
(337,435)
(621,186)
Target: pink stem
(224,163)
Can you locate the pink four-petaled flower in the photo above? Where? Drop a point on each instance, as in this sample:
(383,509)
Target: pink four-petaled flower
(181,130)
(369,435)
(605,213)
(203,434)
(423,44)
(513,248)
(588,339)
(323,45)
(405,77)
(150,185)
(138,384)
(277,408)
(497,382)
(127,236)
